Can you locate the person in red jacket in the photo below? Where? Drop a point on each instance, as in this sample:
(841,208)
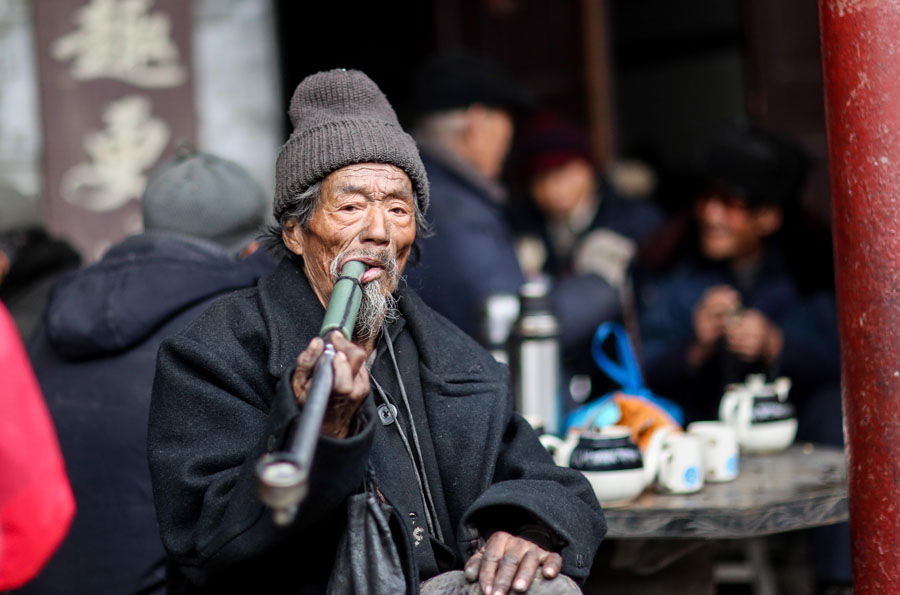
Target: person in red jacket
(36,503)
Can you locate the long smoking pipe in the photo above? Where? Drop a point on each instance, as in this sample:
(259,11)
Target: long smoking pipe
(284,476)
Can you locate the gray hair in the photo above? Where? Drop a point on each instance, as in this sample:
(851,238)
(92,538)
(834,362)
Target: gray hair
(302,206)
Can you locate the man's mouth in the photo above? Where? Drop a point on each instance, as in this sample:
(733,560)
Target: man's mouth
(375,268)
(371,274)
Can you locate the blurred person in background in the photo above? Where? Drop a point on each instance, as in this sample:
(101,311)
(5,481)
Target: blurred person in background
(579,224)
(30,260)
(36,504)
(466,107)
(731,305)
(95,356)
(740,300)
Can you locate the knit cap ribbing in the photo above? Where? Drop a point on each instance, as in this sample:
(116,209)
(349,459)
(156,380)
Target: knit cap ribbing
(341,117)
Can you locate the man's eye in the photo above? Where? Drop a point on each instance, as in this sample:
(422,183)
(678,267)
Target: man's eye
(350,208)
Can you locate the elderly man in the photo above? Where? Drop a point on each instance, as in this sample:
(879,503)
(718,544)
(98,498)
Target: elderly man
(464,479)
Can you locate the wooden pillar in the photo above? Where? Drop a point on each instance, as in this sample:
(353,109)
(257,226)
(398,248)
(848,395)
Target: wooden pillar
(597,77)
(861,60)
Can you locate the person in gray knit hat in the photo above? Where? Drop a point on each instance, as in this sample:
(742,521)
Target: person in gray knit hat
(204,196)
(94,354)
(419,417)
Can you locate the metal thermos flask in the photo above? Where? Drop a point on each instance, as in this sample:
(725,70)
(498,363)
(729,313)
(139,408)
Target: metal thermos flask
(535,359)
(499,313)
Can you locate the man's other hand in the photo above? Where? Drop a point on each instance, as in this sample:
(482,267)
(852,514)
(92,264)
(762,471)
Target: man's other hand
(754,337)
(712,311)
(507,561)
(709,319)
(351,382)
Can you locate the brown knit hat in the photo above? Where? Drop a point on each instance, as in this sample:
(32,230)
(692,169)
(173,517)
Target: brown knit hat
(341,117)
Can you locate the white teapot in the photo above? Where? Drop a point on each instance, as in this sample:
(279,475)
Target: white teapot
(608,458)
(763,418)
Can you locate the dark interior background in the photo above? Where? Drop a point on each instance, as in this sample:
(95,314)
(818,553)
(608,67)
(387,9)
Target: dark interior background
(677,73)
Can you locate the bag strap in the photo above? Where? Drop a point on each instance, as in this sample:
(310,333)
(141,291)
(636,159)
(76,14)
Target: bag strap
(626,371)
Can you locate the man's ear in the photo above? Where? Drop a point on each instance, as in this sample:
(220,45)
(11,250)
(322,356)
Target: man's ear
(769,220)
(292,236)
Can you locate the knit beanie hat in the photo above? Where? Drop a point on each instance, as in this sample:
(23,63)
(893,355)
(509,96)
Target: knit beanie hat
(204,196)
(341,117)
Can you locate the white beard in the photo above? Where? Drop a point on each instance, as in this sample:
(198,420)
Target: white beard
(376,308)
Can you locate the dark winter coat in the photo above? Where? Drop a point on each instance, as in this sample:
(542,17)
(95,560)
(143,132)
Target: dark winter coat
(472,253)
(95,356)
(809,323)
(222,399)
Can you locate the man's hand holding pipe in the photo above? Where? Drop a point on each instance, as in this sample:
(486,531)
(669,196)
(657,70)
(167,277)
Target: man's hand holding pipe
(351,382)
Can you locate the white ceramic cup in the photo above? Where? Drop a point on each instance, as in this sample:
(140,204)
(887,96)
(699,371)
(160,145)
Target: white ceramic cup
(680,465)
(720,449)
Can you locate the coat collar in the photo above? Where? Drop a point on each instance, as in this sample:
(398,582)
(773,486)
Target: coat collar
(292,313)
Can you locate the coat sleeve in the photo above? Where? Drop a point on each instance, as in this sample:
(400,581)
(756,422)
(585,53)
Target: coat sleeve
(215,411)
(36,503)
(529,488)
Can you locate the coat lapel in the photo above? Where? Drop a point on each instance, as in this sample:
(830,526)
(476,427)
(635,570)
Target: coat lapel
(292,313)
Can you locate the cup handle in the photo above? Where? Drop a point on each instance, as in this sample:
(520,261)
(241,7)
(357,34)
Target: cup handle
(665,462)
(551,443)
(652,453)
(728,407)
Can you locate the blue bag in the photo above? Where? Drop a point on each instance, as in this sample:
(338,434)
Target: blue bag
(627,373)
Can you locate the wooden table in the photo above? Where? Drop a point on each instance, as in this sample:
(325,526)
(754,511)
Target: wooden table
(801,488)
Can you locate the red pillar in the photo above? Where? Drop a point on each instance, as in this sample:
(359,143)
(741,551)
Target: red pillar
(861,60)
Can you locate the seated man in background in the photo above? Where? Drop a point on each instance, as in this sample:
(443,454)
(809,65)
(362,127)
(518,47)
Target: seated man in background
(473,486)
(95,355)
(578,223)
(728,308)
(465,108)
(737,304)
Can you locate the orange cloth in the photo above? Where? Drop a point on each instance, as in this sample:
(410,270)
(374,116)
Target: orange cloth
(36,503)
(643,417)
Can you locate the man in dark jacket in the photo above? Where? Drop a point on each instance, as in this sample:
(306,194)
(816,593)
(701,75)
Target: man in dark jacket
(734,306)
(465,479)
(95,355)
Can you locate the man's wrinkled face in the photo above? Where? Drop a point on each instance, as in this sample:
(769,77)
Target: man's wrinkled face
(366,212)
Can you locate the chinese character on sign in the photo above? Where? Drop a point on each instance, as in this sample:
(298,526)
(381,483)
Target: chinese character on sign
(120,39)
(130,143)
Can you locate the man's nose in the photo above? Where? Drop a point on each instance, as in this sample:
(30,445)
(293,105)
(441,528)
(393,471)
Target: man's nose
(376,229)
(712,211)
